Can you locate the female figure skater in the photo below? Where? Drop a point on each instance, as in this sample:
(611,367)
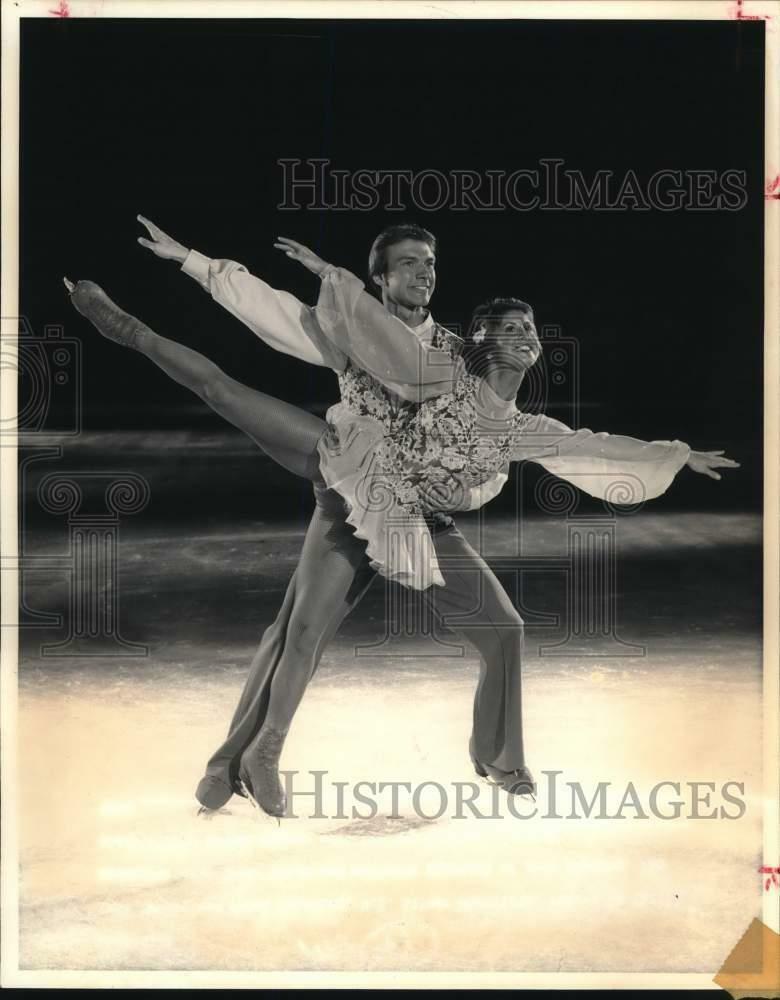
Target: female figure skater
(466,423)
(466,429)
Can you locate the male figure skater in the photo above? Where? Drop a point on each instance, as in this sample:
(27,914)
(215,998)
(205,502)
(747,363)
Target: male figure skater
(333,572)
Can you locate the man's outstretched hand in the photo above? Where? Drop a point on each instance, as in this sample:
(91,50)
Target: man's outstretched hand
(707,461)
(161,244)
(297,251)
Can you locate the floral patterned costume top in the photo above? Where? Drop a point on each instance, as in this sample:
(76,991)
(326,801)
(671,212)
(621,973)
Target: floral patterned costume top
(410,414)
(379,448)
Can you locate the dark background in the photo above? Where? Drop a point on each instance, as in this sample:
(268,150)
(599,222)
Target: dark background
(184,121)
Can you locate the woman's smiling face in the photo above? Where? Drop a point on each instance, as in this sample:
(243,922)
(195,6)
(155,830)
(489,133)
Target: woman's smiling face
(514,341)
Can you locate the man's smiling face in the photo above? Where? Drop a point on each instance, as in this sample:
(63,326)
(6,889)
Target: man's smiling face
(411,274)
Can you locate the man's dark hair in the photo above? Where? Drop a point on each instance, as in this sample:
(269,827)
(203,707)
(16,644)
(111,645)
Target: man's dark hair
(377,258)
(488,317)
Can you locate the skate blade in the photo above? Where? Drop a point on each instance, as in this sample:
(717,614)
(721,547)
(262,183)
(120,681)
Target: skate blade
(257,809)
(487,780)
(204,813)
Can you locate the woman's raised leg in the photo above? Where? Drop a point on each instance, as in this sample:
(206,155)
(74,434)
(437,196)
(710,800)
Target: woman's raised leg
(285,432)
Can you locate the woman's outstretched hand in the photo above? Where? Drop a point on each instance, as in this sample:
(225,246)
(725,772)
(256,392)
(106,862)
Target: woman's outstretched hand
(297,251)
(707,461)
(161,244)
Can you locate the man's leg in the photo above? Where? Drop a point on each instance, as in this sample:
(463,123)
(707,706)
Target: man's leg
(475,605)
(333,571)
(332,575)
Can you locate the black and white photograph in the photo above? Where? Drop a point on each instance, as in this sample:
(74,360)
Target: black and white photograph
(389,533)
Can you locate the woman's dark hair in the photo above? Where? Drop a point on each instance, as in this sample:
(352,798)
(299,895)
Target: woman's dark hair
(487,318)
(377,258)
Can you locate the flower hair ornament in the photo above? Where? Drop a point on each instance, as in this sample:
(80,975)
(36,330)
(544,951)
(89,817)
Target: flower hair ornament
(479,334)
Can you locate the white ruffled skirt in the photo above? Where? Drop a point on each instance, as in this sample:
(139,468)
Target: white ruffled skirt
(398,541)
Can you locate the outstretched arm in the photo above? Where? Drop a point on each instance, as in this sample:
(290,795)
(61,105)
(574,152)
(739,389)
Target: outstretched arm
(381,344)
(611,466)
(277,317)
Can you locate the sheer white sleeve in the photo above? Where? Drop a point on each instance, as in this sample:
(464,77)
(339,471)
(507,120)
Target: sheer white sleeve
(277,317)
(608,466)
(379,343)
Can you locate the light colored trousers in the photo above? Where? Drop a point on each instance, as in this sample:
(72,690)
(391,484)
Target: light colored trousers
(332,575)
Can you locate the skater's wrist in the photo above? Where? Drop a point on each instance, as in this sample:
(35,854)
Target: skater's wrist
(196,265)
